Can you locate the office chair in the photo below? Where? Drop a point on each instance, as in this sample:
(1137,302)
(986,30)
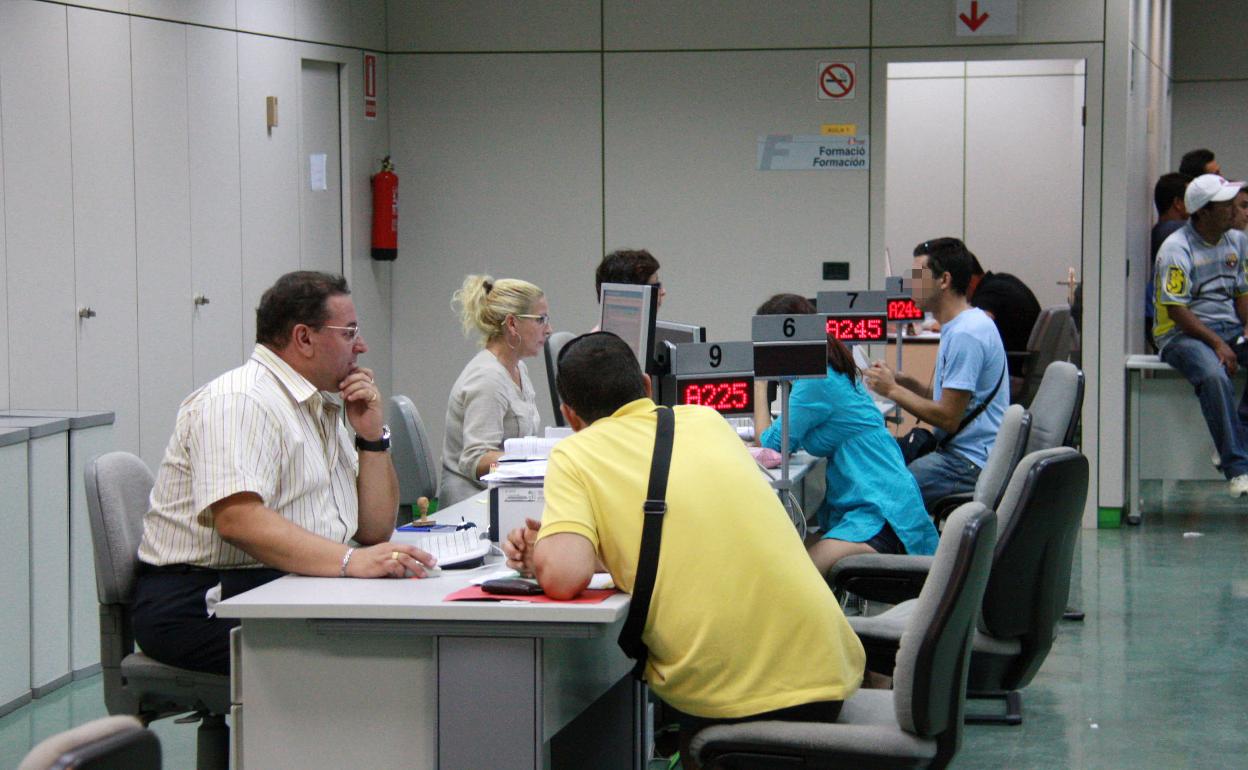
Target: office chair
(882,577)
(1056,407)
(109,743)
(118,487)
(917,724)
(1053,338)
(413,456)
(1038,522)
(555,343)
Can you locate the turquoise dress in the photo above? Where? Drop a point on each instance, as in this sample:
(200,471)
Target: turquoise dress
(868,483)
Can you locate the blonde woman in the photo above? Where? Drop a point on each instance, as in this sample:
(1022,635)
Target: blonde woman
(493,398)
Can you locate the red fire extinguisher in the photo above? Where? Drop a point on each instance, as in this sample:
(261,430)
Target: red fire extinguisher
(385,212)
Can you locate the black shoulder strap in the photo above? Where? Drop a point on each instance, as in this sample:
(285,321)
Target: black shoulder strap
(967,420)
(651,535)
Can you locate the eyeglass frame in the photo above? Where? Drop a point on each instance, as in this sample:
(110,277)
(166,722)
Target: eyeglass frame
(542,320)
(356,330)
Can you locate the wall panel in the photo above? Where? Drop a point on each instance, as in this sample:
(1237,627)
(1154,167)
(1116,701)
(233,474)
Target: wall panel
(104,218)
(39,221)
(267,17)
(215,203)
(492,25)
(684,24)
(162,198)
(501,160)
(682,179)
(356,23)
(213,13)
(270,170)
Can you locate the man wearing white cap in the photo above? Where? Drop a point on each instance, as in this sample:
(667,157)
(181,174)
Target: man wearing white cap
(1202,314)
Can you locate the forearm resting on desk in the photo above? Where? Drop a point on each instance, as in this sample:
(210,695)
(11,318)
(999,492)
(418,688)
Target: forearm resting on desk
(564,564)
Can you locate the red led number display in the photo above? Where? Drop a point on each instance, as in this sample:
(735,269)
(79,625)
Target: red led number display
(856,329)
(722,394)
(904,310)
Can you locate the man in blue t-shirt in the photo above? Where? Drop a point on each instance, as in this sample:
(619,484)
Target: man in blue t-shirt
(969,392)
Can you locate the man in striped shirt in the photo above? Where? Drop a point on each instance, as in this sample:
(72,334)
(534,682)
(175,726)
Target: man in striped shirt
(261,477)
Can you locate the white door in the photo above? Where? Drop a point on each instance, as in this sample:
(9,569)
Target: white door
(320,155)
(990,152)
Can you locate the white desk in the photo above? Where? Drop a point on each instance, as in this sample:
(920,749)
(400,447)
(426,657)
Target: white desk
(1167,437)
(383,673)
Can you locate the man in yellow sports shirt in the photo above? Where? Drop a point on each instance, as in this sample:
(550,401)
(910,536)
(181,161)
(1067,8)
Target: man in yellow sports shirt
(741,625)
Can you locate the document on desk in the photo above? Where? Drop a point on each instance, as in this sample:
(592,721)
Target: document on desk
(517,471)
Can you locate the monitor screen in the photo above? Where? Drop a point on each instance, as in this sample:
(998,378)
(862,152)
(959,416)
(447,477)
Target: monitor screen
(678,333)
(627,310)
(726,395)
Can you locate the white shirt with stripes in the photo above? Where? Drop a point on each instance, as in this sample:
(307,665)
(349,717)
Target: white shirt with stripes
(260,428)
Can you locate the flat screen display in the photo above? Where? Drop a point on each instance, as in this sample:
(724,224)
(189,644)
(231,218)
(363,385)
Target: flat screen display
(857,328)
(726,395)
(628,312)
(904,310)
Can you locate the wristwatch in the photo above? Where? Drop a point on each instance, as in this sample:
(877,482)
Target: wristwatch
(380,445)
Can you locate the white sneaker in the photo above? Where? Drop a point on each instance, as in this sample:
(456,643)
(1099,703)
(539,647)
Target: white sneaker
(1216,459)
(1239,485)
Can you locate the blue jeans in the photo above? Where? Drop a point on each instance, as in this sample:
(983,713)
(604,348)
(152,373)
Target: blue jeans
(942,473)
(1216,391)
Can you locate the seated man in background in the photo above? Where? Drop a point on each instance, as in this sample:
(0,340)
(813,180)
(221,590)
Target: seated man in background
(1171,215)
(1011,306)
(735,595)
(1202,315)
(970,391)
(261,478)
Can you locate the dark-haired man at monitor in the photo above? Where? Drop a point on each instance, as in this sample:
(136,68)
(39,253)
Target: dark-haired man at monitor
(635,266)
(970,372)
(735,594)
(1197,162)
(1010,304)
(261,477)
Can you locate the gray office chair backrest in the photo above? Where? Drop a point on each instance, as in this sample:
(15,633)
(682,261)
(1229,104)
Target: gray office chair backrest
(119,487)
(110,743)
(1052,339)
(1007,450)
(1038,522)
(412,452)
(1055,407)
(555,343)
(929,679)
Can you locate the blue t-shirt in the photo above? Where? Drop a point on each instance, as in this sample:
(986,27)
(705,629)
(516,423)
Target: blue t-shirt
(867,480)
(972,358)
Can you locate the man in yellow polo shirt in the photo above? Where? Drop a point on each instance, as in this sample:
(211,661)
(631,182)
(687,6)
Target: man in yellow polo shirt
(741,624)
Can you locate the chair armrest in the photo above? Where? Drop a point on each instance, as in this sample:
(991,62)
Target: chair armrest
(888,578)
(881,637)
(948,504)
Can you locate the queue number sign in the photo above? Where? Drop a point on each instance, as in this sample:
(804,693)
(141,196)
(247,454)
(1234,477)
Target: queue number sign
(904,310)
(727,395)
(857,327)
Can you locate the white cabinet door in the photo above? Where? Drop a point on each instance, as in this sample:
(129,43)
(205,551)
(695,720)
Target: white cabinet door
(162,200)
(270,171)
(38,197)
(216,206)
(104,240)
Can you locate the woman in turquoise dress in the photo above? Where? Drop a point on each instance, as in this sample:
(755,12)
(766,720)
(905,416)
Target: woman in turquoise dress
(872,503)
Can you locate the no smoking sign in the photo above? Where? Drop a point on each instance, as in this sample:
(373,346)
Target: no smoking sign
(837,80)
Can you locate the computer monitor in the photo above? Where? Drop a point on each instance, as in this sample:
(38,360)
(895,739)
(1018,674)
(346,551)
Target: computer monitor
(670,333)
(627,310)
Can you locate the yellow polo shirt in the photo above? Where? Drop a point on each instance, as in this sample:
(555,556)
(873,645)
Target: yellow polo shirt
(741,622)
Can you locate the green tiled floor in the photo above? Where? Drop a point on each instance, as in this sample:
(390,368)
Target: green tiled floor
(1155,677)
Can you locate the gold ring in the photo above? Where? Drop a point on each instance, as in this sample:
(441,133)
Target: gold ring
(372,397)
(394,555)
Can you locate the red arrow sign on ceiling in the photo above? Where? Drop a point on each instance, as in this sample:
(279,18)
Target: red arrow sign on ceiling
(974,21)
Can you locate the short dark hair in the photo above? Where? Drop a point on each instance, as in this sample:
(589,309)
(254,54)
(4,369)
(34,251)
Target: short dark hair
(625,266)
(1194,162)
(598,373)
(949,255)
(297,298)
(839,357)
(1168,187)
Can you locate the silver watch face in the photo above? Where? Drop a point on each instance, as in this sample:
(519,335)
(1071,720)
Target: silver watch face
(385,433)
